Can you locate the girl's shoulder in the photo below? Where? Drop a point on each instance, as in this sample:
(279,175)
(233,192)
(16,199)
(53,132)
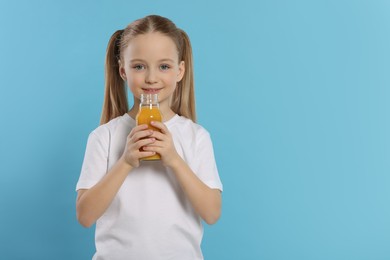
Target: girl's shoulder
(186,126)
(114,125)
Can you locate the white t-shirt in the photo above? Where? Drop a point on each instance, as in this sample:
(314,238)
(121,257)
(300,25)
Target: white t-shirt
(150,217)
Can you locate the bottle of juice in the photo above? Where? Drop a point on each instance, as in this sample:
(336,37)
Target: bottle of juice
(149,111)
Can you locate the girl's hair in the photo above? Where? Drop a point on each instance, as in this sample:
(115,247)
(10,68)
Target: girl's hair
(115,97)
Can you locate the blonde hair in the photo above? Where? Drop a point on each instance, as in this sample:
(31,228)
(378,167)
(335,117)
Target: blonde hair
(115,97)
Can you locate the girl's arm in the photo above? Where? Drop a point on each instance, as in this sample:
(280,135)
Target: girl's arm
(206,201)
(92,203)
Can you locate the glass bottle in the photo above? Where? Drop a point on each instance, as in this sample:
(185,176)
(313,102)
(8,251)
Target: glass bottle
(149,111)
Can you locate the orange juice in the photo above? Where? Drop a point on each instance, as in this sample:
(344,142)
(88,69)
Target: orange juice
(149,111)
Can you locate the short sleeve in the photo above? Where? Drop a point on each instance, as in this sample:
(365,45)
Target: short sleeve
(95,160)
(205,166)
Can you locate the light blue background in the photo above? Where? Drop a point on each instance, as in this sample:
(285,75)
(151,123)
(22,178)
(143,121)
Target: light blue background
(294,93)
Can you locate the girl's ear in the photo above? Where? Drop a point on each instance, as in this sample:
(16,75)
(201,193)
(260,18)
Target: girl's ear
(181,71)
(122,71)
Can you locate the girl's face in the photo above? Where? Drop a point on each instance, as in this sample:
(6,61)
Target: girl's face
(150,64)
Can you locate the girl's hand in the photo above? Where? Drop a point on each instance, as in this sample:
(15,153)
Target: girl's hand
(139,136)
(163,144)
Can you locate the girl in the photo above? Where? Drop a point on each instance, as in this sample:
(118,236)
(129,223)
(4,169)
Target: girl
(143,209)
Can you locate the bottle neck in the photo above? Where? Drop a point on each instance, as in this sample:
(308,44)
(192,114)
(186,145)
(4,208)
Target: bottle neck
(141,104)
(149,99)
(149,106)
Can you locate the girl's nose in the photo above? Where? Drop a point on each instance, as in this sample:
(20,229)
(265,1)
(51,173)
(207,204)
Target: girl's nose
(151,77)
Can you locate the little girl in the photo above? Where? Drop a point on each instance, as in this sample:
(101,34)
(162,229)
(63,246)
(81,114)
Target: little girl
(146,210)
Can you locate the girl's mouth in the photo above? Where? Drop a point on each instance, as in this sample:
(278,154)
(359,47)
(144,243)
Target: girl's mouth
(151,90)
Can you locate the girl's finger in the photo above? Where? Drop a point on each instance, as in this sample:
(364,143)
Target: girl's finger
(137,129)
(160,126)
(152,148)
(143,154)
(155,143)
(144,142)
(141,134)
(158,135)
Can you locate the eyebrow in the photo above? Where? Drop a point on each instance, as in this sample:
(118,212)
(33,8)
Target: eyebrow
(162,60)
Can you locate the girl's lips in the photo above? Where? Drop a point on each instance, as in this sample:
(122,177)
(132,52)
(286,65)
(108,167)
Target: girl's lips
(151,90)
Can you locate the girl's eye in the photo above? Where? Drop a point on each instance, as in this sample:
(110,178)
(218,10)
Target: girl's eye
(164,67)
(138,67)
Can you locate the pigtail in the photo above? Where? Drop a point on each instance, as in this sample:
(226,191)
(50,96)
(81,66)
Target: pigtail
(183,99)
(115,95)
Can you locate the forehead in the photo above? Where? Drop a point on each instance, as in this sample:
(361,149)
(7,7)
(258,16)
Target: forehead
(151,46)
